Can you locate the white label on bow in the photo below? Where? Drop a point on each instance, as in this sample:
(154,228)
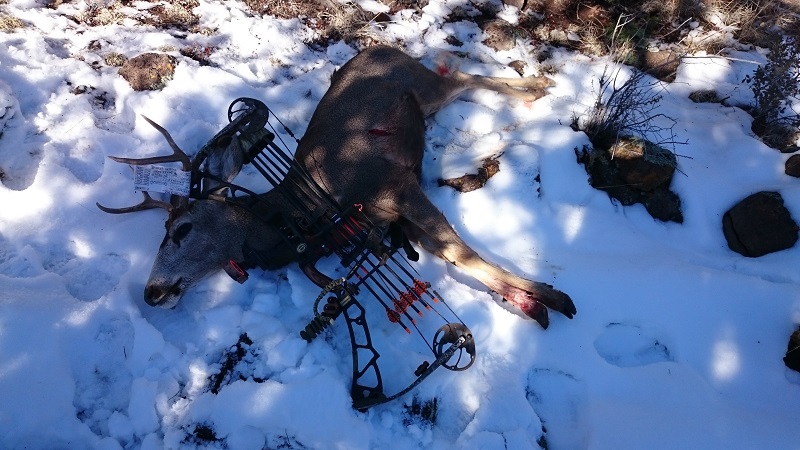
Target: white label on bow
(154,178)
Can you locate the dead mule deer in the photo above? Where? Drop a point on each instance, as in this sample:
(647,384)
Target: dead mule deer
(364,144)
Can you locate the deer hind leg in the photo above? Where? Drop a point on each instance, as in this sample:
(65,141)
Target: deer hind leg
(423,222)
(523,88)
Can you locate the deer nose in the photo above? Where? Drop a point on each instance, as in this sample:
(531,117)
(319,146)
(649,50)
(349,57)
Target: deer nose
(154,294)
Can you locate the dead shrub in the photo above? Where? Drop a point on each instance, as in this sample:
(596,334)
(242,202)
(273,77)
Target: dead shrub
(625,108)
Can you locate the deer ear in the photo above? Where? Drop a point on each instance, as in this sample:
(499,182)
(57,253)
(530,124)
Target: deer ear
(224,163)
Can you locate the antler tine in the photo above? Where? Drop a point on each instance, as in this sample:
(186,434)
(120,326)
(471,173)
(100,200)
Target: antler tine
(178,155)
(148,203)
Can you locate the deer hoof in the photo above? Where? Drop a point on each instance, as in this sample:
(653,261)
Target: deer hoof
(542,316)
(569,309)
(555,300)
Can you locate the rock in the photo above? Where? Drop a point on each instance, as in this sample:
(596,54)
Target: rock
(793,166)
(148,71)
(470,181)
(635,171)
(664,205)
(642,164)
(662,65)
(759,225)
(500,35)
(705,96)
(792,358)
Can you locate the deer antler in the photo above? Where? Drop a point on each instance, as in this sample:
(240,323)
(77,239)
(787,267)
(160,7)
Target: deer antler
(148,203)
(178,155)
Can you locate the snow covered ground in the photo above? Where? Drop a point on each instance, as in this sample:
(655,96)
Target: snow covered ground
(677,343)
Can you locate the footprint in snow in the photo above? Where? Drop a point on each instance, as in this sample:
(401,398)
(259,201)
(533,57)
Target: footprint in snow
(559,399)
(85,161)
(625,345)
(102,384)
(18,262)
(19,158)
(86,279)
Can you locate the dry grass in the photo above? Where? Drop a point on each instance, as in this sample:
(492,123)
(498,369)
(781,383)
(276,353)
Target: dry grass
(755,21)
(163,14)
(625,107)
(10,23)
(114,59)
(99,14)
(331,20)
(175,14)
(673,22)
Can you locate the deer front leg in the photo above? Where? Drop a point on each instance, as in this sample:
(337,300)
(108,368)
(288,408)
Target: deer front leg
(424,223)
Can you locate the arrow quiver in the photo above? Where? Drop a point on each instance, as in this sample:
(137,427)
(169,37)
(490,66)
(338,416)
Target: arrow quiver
(318,228)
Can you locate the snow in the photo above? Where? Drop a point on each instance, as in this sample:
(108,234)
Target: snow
(677,342)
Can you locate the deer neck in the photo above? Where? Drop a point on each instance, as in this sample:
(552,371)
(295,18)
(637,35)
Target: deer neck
(264,245)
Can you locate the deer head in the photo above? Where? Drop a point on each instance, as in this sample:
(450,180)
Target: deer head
(202,236)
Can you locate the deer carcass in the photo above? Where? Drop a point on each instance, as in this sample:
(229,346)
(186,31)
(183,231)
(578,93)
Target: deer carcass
(364,144)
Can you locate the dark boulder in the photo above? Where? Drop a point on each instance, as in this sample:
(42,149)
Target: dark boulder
(793,166)
(759,224)
(792,358)
(635,171)
(642,164)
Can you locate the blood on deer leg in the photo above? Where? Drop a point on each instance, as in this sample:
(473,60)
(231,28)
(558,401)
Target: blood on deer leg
(428,226)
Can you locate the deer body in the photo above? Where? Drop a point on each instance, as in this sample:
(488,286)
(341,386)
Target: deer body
(364,144)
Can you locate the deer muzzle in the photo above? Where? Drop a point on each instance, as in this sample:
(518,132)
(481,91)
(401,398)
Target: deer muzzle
(163,294)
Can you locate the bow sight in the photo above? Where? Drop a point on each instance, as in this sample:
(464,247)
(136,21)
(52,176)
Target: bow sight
(319,227)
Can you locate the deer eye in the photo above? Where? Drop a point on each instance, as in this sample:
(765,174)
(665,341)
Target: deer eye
(181,232)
